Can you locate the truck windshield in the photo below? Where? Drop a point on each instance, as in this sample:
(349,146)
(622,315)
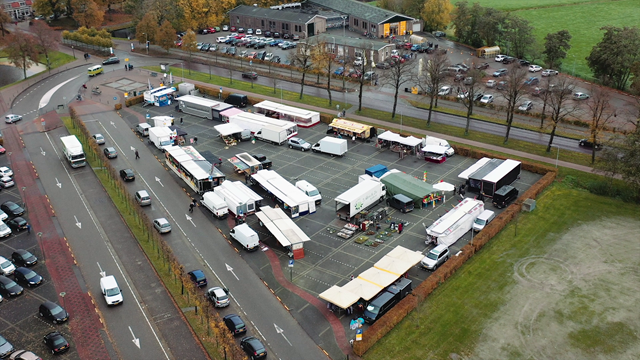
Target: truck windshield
(112,292)
(480,221)
(314,192)
(373,309)
(77,157)
(165,143)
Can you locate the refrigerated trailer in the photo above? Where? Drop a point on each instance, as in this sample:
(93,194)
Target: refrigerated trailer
(369,192)
(302,117)
(455,223)
(255,123)
(201,107)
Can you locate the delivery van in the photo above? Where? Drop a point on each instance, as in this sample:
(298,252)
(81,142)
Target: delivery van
(246,237)
(237,100)
(310,190)
(483,220)
(143,129)
(505,195)
(95,70)
(110,290)
(215,204)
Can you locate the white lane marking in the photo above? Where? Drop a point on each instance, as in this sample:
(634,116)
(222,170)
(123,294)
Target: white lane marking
(47,97)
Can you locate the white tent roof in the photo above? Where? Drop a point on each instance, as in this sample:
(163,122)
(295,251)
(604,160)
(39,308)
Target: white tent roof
(228,129)
(398,261)
(444,186)
(436,149)
(391,136)
(362,288)
(281,226)
(339,297)
(378,277)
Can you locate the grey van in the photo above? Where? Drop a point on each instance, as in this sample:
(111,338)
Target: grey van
(401,202)
(505,195)
(379,306)
(143,129)
(237,100)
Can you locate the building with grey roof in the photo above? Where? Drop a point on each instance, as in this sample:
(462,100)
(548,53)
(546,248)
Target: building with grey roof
(285,21)
(348,48)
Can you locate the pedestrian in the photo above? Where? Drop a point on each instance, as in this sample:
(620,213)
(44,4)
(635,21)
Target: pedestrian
(195,140)
(137,155)
(191,207)
(246,178)
(353,139)
(351,277)
(377,226)
(376,82)
(28,228)
(400,226)
(126,67)
(194,202)
(181,121)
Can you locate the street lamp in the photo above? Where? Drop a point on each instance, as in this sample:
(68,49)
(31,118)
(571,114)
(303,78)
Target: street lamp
(146,42)
(280,86)
(74,51)
(400,121)
(557,154)
(333,50)
(344,25)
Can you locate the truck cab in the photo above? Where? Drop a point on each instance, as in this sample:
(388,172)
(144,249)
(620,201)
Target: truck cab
(310,190)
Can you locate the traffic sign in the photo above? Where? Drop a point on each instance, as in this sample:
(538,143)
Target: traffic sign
(291,263)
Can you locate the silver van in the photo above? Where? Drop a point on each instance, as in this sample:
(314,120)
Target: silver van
(483,220)
(143,129)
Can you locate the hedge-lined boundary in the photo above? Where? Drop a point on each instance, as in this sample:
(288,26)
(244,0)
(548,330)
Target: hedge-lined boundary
(381,327)
(206,324)
(133,100)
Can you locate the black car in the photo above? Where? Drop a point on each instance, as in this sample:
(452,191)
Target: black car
(508,60)
(586,143)
(22,257)
(9,287)
(110,152)
(198,278)
(250,75)
(275,59)
(276,35)
(56,342)
(235,324)
(17,224)
(127,175)
(482,66)
(383,65)
(27,276)
(286,36)
(111,60)
(253,347)
(12,209)
(267,34)
(53,312)
(524,62)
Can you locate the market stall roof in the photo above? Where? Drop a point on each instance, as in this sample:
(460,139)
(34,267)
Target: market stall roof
(398,261)
(393,137)
(208,155)
(228,129)
(193,162)
(339,297)
(473,168)
(178,131)
(281,226)
(444,186)
(400,183)
(378,277)
(436,149)
(362,288)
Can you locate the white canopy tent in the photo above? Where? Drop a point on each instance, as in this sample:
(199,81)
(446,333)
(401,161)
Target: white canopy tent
(378,277)
(393,137)
(339,296)
(362,288)
(283,229)
(228,129)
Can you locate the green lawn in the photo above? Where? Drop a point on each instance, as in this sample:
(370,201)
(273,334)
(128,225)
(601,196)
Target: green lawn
(531,4)
(57,59)
(452,319)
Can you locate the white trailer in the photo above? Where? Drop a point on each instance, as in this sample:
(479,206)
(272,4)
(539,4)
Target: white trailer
(161,137)
(214,203)
(239,199)
(72,150)
(255,123)
(289,197)
(331,145)
(162,121)
(201,107)
(368,193)
(431,140)
(272,134)
(455,223)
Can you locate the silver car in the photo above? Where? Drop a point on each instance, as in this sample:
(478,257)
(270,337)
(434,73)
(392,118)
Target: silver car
(99,139)
(11,118)
(162,225)
(297,143)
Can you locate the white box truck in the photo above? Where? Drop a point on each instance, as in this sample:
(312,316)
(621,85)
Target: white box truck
(310,190)
(431,140)
(368,193)
(162,121)
(246,237)
(272,134)
(72,150)
(214,203)
(160,137)
(331,145)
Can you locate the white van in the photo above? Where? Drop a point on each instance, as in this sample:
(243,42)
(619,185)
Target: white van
(246,237)
(215,204)
(143,129)
(310,190)
(110,290)
(483,219)
(431,140)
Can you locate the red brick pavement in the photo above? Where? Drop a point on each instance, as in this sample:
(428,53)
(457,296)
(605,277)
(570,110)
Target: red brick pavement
(84,322)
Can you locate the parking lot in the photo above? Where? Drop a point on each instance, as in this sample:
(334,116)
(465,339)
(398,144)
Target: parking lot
(20,322)
(331,260)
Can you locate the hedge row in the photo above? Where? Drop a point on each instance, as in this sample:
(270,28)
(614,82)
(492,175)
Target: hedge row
(134,100)
(381,327)
(89,36)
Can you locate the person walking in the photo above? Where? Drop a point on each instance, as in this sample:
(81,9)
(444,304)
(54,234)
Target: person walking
(181,121)
(191,207)
(28,228)
(137,155)
(195,140)
(400,226)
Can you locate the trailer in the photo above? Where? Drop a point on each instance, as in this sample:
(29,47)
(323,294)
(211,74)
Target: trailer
(164,121)
(368,193)
(352,128)
(244,163)
(73,152)
(201,107)
(474,182)
(161,137)
(289,197)
(214,203)
(302,117)
(272,134)
(196,171)
(239,198)
(255,123)
(331,145)
(455,223)
(161,96)
(505,174)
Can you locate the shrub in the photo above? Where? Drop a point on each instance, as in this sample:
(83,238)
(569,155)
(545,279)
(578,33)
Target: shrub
(118,106)
(134,100)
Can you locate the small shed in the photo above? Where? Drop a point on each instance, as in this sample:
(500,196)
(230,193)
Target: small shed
(488,51)
(400,183)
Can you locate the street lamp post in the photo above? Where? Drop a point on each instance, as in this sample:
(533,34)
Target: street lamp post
(74,51)
(344,25)
(182,65)
(333,49)
(146,42)
(280,86)
(557,154)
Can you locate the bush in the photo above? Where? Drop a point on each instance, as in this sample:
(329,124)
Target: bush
(134,100)
(118,106)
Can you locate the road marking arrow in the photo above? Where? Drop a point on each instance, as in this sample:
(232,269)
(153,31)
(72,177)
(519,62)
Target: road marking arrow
(190,219)
(58,183)
(281,332)
(230,269)
(102,273)
(158,180)
(78,224)
(114,125)
(135,339)
(42,152)
(133,149)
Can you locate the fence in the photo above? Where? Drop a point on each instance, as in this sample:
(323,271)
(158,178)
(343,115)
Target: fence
(87,47)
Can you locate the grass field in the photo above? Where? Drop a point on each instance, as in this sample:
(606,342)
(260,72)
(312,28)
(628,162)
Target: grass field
(582,18)
(551,285)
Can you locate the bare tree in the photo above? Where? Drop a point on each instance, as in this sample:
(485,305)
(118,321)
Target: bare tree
(431,77)
(513,92)
(470,89)
(302,58)
(601,113)
(323,57)
(560,104)
(367,69)
(4,19)
(543,91)
(398,75)
(46,38)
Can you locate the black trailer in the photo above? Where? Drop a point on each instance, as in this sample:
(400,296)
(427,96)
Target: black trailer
(505,174)
(474,183)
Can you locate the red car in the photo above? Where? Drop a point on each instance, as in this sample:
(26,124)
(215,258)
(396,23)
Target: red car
(2,149)
(233,29)
(211,30)
(407,46)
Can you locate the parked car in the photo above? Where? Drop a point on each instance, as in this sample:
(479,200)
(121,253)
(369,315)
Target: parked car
(532,81)
(24,355)
(111,60)
(253,347)
(235,324)
(22,257)
(241,30)
(127,175)
(436,257)
(370,75)
(487,99)
(439,34)
(225,27)
(580,96)
(6,182)
(110,152)
(500,72)
(502,85)
(444,90)
(6,267)
(27,276)
(218,297)
(383,65)
(198,278)
(12,208)
(11,118)
(491,83)
(339,71)
(5,347)
(549,72)
(258,32)
(499,58)
(482,66)
(508,60)
(535,68)
(524,62)
(526,105)
(53,312)
(6,171)
(56,342)
(17,224)
(295,37)
(2,150)
(299,144)
(162,225)
(9,288)
(250,75)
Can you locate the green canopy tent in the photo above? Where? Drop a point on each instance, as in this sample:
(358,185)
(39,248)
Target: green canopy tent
(401,183)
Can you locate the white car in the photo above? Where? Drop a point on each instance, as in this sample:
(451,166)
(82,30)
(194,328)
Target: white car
(580,96)
(487,99)
(5,171)
(499,58)
(3,216)
(225,27)
(445,90)
(6,182)
(491,83)
(463,94)
(526,106)
(535,68)
(11,118)
(222,39)
(6,267)
(549,72)
(258,32)
(358,61)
